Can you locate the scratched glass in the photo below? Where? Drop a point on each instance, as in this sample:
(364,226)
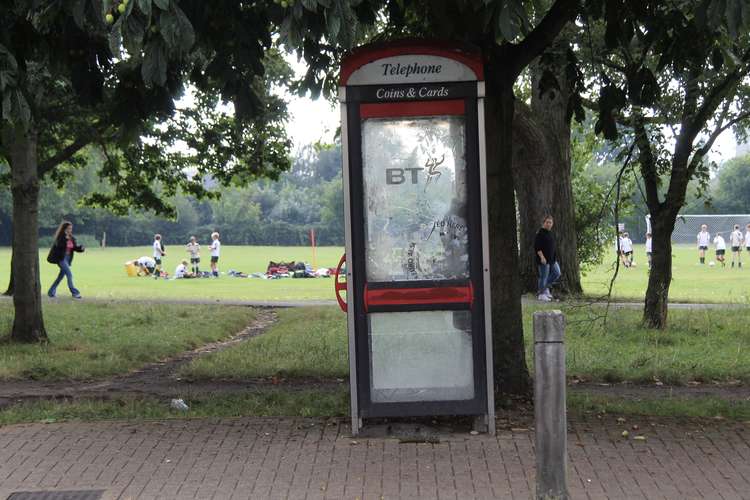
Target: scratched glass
(421,356)
(415,194)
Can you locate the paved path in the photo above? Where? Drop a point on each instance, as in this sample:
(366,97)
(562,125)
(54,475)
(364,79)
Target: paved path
(316,458)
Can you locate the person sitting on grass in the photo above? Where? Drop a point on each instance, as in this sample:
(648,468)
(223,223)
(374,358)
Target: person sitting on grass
(703,238)
(735,241)
(182,271)
(721,248)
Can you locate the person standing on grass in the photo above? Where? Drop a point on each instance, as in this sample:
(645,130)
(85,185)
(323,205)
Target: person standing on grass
(626,250)
(546,259)
(61,253)
(159,252)
(215,251)
(194,249)
(649,246)
(735,241)
(721,248)
(704,237)
(747,238)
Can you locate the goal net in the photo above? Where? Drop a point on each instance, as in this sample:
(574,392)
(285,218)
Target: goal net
(688,226)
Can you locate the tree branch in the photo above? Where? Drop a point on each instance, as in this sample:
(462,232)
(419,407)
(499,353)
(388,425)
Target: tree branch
(647,162)
(69,151)
(541,37)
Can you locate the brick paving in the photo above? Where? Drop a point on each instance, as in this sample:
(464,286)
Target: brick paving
(316,458)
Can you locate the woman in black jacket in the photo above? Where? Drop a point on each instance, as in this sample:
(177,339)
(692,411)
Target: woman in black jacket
(61,254)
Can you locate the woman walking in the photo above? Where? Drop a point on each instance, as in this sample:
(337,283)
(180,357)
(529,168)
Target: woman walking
(61,254)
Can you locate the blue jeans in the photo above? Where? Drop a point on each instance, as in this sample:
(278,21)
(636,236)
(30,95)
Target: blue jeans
(548,275)
(65,272)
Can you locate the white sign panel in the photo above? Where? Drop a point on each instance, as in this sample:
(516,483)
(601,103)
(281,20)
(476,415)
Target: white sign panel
(411,69)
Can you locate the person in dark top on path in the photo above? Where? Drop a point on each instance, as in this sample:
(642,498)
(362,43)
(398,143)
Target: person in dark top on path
(546,259)
(61,253)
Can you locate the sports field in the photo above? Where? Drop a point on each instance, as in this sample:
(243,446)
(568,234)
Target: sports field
(101,273)
(691,282)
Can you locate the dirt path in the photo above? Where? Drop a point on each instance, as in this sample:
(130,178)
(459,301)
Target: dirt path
(159,379)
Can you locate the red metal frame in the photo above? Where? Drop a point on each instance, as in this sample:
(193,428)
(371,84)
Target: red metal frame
(419,296)
(465,54)
(417,108)
(338,286)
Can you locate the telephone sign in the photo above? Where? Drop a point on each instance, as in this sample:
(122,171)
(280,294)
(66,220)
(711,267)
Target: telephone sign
(416,232)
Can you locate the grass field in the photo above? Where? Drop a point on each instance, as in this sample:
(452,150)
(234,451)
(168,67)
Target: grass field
(100,273)
(691,282)
(94,340)
(700,346)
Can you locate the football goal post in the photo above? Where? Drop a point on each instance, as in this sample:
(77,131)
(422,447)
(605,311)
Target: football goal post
(688,226)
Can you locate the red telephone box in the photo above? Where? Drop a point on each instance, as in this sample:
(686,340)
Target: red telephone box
(417,274)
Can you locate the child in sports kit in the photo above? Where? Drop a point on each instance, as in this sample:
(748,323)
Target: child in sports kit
(649,244)
(747,238)
(735,241)
(215,251)
(182,271)
(159,252)
(194,249)
(626,250)
(721,248)
(704,237)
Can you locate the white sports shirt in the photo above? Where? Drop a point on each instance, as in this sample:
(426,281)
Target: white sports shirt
(735,239)
(215,248)
(747,239)
(719,242)
(649,242)
(626,245)
(704,237)
(157,249)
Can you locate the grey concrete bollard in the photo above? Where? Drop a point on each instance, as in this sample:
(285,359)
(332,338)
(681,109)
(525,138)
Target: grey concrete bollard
(550,411)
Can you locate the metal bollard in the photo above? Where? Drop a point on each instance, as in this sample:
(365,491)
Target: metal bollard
(549,406)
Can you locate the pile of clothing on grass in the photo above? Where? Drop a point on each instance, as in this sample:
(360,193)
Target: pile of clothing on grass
(292,269)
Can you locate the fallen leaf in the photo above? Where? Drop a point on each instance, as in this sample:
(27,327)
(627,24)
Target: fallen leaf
(621,420)
(474,433)
(640,438)
(625,433)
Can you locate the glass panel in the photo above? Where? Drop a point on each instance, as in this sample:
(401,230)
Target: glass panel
(421,356)
(414,173)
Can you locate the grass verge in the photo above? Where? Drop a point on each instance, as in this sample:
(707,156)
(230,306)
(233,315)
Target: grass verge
(705,407)
(267,402)
(93,340)
(305,342)
(319,403)
(701,345)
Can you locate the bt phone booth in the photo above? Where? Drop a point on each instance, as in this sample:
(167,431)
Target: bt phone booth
(417,264)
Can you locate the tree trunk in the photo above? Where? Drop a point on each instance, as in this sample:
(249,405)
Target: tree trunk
(28,323)
(9,291)
(510,371)
(542,174)
(660,275)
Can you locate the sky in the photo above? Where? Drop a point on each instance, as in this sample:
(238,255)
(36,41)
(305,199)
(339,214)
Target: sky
(317,120)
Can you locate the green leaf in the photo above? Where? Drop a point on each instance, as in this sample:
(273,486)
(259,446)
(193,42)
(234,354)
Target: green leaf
(333,22)
(6,107)
(115,38)
(506,25)
(162,4)
(145,7)
(734,17)
(133,33)
(311,5)
(154,67)
(187,33)
(169,27)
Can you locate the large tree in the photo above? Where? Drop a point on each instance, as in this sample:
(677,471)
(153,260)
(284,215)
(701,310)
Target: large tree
(85,72)
(675,74)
